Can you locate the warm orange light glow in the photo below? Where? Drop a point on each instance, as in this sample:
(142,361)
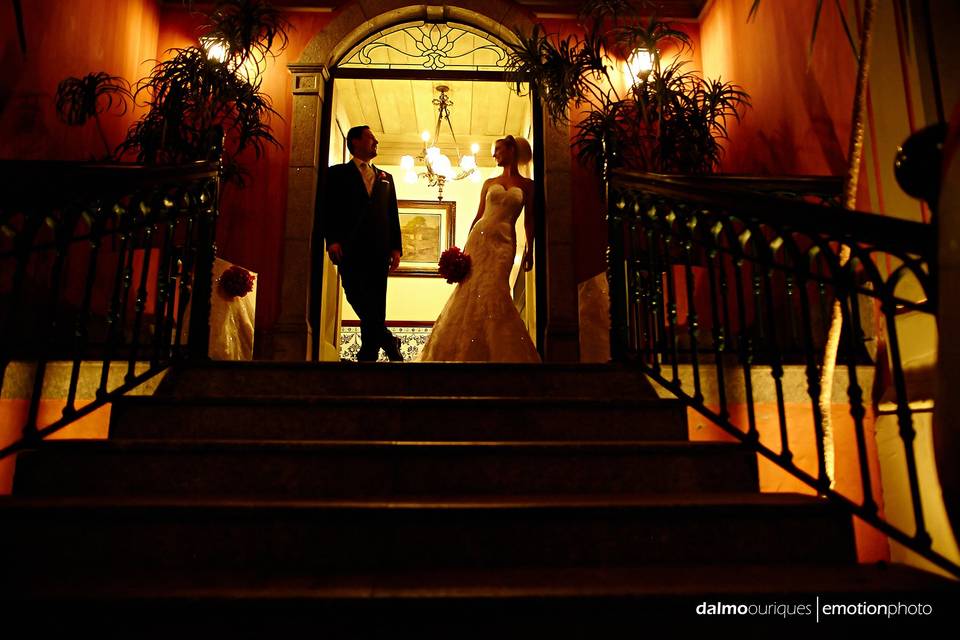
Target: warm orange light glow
(215,49)
(638,66)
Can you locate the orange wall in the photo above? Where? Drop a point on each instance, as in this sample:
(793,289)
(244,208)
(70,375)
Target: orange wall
(801,113)
(802,104)
(68,39)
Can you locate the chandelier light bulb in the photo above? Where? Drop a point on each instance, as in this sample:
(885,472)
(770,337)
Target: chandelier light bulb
(410,177)
(468,162)
(406,162)
(433,153)
(474,148)
(441,165)
(425,136)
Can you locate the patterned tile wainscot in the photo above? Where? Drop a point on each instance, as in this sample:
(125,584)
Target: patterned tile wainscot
(412,340)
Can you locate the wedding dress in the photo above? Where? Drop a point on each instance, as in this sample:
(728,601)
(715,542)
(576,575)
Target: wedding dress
(479,321)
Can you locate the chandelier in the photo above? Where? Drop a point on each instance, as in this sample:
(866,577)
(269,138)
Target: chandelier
(436,167)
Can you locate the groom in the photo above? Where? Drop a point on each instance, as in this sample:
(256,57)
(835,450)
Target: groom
(361,227)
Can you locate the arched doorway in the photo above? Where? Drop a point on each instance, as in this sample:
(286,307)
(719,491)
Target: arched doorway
(296,336)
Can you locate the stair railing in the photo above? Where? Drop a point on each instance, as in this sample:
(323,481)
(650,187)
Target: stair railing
(105,269)
(718,284)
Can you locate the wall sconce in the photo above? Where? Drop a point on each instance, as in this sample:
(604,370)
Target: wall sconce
(639,65)
(216,49)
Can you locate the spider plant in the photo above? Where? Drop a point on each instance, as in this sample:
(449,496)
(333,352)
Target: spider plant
(670,120)
(206,100)
(82,99)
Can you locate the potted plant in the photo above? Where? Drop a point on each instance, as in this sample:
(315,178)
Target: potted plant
(81,99)
(209,95)
(668,119)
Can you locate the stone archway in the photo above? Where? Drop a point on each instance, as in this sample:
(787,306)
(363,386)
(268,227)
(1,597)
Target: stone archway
(355,22)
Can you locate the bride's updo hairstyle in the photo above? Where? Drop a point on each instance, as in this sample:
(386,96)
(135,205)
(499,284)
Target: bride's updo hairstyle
(522,152)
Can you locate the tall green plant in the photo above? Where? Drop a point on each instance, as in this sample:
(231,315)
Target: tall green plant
(203,97)
(671,120)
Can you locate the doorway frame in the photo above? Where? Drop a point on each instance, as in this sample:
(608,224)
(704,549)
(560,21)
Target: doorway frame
(317,245)
(292,335)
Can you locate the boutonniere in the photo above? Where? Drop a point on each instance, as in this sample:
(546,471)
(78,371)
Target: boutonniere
(382,175)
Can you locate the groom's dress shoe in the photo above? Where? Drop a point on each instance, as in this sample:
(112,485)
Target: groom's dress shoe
(392,349)
(367,355)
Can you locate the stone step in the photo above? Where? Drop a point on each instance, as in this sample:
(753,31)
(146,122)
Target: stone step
(303,470)
(231,379)
(397,418)
(61,537)
(504,601)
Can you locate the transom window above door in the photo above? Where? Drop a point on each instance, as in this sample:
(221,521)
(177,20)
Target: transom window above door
(429,46)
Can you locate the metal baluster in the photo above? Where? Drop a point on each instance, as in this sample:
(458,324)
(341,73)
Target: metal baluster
(164,285)
(186,276)
(671,297)
(791,321)
(718,329)
(905,422)
(657,292)
(692,319)
(176,273)
(634,332)
(121,296)
(81,333)
(21,255)
(776,363)
(637,329)
(745,344)
(61,246)
(140,302)
(199,343)
(615,277)
(851,322)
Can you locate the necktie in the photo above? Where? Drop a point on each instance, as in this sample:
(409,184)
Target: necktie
(367,172)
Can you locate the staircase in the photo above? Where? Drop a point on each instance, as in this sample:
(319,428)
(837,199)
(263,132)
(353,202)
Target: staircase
(360,499)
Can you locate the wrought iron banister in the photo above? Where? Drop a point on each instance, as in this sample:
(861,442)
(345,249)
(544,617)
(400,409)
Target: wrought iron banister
(720,277)
(760,199)
(108,263)
(826,190)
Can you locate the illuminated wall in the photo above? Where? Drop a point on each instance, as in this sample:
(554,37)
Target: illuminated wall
(68,39)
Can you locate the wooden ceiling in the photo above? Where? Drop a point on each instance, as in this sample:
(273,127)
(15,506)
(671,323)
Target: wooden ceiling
(678,9)
(398,110)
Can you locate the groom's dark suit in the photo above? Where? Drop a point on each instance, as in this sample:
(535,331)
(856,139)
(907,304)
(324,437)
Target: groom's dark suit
(367,227)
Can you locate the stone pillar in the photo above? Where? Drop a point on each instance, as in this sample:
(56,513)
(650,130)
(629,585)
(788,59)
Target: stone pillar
(562,333)
(291,334)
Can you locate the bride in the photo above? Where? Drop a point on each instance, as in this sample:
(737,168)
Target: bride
(479,321)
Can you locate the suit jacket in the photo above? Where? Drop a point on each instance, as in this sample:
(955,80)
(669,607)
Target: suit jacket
(362,224)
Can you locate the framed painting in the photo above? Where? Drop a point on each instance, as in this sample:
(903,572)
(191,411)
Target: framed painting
(427,229)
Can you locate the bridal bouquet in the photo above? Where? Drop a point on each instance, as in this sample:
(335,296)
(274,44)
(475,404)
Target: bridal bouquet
(236,282)
(454,265)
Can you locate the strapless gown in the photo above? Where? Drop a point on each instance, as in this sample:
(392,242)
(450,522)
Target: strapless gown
(479,322)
